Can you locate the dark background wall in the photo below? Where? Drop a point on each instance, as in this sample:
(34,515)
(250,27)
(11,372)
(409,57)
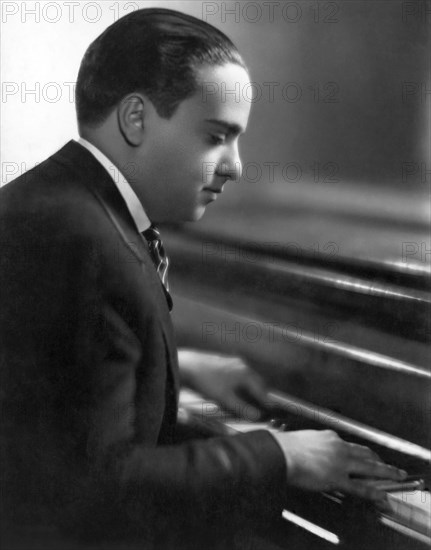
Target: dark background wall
(353,75)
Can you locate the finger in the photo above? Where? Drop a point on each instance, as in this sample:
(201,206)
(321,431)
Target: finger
(359,489)
(375,468)
(361,451)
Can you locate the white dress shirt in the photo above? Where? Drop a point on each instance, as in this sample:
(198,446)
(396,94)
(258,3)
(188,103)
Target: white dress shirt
(134,205)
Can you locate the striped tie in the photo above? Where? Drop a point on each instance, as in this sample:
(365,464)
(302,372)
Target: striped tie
(159,257)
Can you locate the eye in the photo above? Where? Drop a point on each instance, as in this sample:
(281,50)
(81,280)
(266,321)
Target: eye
(217,139)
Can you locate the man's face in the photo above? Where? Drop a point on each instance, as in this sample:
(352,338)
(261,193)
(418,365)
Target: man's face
(185,160)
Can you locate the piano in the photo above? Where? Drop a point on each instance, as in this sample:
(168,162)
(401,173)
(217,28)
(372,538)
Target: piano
(332,307)
(329,520)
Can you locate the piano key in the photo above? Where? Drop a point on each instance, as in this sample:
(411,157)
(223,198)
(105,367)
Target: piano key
(411,509)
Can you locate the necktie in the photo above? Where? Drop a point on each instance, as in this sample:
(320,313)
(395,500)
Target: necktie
(159,257)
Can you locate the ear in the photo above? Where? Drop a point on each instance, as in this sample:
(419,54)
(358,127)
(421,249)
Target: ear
(131,115)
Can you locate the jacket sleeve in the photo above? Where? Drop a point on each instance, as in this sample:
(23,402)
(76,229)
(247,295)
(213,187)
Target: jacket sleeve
(168,492)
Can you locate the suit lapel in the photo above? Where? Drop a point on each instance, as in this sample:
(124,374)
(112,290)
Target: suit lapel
(94,176)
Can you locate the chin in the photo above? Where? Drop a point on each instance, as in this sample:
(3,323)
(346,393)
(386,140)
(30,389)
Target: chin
(197,214)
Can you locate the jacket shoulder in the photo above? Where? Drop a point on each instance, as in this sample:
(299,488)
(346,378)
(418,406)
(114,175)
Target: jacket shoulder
(49,197)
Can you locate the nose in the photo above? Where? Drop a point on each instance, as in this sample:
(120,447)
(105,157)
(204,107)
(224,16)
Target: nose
(230,166)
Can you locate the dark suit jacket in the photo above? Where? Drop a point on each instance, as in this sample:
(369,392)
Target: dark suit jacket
(89,377)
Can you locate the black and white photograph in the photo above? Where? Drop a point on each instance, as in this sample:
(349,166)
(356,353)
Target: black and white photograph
(215,266)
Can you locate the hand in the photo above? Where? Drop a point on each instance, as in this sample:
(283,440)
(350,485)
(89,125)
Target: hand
(321,461)
(225,379)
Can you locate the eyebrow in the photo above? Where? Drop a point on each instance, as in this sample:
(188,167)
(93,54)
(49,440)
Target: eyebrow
(232,128)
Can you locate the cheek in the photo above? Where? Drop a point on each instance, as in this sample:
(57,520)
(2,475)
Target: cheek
(190,167)
(184,164)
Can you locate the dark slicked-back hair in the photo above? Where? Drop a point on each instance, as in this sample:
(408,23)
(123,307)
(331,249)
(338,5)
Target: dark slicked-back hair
(153,51)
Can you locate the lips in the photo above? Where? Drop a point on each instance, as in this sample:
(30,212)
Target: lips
(211,194)
(212,190)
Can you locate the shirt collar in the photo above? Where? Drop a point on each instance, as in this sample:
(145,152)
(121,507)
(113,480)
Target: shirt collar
(133,203)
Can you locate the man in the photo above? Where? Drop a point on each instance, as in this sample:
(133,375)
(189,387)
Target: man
(88,358)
